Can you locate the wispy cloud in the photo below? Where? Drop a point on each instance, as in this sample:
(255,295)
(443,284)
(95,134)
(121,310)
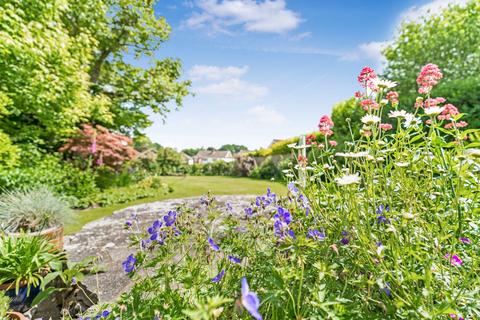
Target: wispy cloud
(300,36)
(270,16)
(225,81)
(266,116)
(415,13)
(369,50)
(234,87)
(215,73)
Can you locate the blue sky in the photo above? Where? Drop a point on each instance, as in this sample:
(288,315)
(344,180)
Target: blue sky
(264,70)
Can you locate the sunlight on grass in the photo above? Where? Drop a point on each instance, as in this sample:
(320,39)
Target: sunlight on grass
(189,186)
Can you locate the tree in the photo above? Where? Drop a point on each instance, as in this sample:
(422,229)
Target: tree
(191,151)
(450,40)
(234,148)
(122,29)
(341,112)
(69,62)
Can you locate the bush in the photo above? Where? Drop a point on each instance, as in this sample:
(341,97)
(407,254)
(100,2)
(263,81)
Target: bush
(390,234)
(32,210)
(216,168)
(63,178)
(268,170)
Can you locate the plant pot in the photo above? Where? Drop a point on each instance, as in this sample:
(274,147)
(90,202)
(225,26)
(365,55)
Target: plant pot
(54,235)
(15,316)
(19,300)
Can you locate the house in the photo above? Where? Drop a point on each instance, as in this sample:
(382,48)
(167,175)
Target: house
(189,160)
(209,156)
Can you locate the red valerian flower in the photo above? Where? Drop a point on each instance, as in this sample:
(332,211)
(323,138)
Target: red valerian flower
(385,126)
(428,78)
(366,76)
(325,126)
(449,111)
(358,95)
(332,143)
(392,96)
(452,125)
(369,104)
(310,139)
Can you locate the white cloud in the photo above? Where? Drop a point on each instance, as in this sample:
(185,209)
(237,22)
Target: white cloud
(266,115)
(415,13)
(300,36)
(234,87)
(269,16)
(215,73)
(370,50)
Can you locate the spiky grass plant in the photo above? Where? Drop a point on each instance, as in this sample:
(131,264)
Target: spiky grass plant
(31,210)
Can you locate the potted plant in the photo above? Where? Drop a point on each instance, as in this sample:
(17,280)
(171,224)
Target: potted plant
(26,261)
(37,211)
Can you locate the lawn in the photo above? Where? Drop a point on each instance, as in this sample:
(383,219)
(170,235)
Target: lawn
(188,186)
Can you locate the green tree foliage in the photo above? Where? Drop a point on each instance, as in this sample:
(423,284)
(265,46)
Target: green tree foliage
(341,112)
(191,151)
(450,40)
(234,148)
(67,62)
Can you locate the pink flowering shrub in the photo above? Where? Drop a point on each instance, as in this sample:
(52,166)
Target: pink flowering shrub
(100,147)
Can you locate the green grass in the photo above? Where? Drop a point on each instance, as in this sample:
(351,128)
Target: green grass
(188,186)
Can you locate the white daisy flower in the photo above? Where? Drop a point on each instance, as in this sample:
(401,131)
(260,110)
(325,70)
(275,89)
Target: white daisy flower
(370,119)
(433,111)
(411,121)
(352,154)
(398,114)
(381,83)
(348,179)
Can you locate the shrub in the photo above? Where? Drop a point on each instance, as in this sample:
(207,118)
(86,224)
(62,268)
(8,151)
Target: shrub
(31,210)
(389,234)
(217,168)
(268,170)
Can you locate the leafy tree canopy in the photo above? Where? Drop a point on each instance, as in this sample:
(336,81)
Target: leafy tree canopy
(450,40)
(234,148)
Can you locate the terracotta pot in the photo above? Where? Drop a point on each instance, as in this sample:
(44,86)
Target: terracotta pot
(54,235)
(16,316)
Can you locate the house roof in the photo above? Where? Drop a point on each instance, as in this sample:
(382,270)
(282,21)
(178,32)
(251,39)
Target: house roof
(214,154)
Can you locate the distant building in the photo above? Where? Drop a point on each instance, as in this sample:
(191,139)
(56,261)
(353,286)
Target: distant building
(189,160)
(209,156)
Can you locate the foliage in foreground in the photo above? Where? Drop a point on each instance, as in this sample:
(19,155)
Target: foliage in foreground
(391,231)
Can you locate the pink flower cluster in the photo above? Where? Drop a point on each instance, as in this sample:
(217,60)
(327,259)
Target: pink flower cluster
(392,96)
(428,78)
(369,104)
(325,126)
(366,76)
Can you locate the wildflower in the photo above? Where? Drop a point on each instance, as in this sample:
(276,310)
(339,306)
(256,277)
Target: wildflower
(387,289)
(369,104)
(170,218)
(302,160)
(345,241)
(385,126)
(448,111)
(310,138)
(283,215)
(292,188)
(418,102)
(383,84)
(229,207)
(465,240)
(358,94)
(154,231)
(433,111)
(332,143)
(304,203)
(213,245)
(453,259)
(316,235)
(454,316)
(272,196)
(129,264)
(411,121)
(366,76)
(381,209)
(105,313)
(428,78)
(234,259)
(348,179)
(453,125)
(370,119)
(397,114)
(93,147)
(248,211)
(392,96)
(352,154)
(430,103)
(250,300)
(218,277)
(128,223)
(325,125)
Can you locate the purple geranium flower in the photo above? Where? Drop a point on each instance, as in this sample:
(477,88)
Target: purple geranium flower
(387,289)
(170,218)
(129,264)
(283,215)
(250,300)
(454,259)
(272,196)
(316,235)
(248,211)
(292,188)
(234,259)
(465,240)
(128,223)
(218,277)
(229,207)
(213,245)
